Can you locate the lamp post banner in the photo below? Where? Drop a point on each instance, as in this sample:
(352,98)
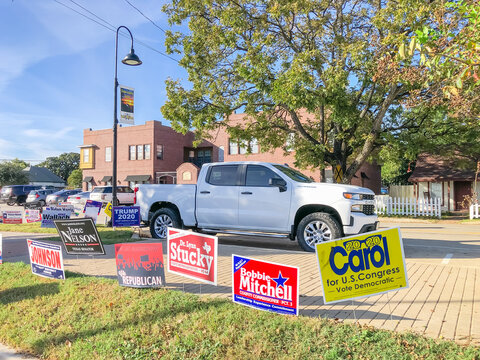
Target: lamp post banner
(265,285)
(140,265)
(46,259)
(193,255)
(126,105)
(362,265)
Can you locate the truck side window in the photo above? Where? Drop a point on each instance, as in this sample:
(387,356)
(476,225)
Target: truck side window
(258,175)
(225,175)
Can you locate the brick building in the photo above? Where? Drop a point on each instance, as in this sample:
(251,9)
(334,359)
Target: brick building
(149,153)
(154,153)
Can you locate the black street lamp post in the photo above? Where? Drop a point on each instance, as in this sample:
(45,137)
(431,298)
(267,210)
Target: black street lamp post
(130,59)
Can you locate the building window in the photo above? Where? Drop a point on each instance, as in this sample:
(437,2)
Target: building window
(108,154)
(86,156)
(132,154)
(232,147)
(221,154)
(254,146)
(242,147)
(290,142)
(160,152)
(139,152)
(147,151)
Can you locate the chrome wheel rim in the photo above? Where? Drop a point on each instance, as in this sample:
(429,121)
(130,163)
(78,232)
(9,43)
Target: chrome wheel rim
(316,232)
(161,224)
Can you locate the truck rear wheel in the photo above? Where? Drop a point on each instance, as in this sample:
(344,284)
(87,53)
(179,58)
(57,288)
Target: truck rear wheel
(161,220)
(316,228)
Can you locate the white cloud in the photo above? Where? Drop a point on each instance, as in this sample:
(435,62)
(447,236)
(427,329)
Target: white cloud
(47,134)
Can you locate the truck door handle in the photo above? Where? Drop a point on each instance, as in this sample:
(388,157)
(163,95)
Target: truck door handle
(204,192)
(246,193)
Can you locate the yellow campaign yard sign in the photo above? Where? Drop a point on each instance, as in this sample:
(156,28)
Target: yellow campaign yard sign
(108,209)
(362,265)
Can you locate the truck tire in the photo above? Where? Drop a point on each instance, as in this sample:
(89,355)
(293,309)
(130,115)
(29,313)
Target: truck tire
(316,228)
(162,219)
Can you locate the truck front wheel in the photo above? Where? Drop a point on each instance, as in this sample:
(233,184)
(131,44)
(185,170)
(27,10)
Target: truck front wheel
(161,220)
(316,228)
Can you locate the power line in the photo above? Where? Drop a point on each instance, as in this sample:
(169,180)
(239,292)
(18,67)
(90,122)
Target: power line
(111,27)
(145,16)
(78,12)
(98,17)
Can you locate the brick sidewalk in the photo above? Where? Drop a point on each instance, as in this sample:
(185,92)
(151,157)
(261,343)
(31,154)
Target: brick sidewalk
(443,301)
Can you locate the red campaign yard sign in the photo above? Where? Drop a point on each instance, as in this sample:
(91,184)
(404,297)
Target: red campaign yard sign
(140,265)
(12,217)
(265,285)
(193,255)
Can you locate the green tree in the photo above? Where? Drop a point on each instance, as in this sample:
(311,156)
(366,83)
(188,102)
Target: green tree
(276,60)
(75,179)
(62,165)
(448,49)
(11,173)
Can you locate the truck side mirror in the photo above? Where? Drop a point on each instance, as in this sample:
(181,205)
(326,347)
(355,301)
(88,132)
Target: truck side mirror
(280,183)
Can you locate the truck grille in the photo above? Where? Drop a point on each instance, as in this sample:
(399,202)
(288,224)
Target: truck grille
(368,197)
(369,209)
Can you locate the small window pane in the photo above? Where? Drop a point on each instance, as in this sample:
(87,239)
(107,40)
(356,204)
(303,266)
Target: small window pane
(139,152)
(108,154)
(254,146)
(147,151)
(243,147)
(221,154)
(232,147)
(160,152)
(132,152)
(207,156)
(86,153)
(223,175)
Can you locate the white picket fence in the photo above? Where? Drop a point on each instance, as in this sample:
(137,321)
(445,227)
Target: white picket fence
(408,206)
(474,213)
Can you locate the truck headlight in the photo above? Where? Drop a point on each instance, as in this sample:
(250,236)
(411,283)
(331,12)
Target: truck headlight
(352,196)
(357,208)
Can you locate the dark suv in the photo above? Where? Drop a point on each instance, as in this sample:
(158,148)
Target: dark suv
(16,194)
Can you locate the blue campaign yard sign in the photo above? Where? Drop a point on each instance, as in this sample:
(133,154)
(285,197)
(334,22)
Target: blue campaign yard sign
(126,216)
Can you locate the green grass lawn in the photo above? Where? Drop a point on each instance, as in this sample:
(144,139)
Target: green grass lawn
(107,234)
(93,318)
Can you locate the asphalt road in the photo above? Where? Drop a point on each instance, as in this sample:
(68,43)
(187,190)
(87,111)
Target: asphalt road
(443,242)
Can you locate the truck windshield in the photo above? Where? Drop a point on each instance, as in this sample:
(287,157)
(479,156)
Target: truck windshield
(294,174)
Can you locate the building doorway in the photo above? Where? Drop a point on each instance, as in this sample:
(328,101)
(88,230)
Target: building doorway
(462,190)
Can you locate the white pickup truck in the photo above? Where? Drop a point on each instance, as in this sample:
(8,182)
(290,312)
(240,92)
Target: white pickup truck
(261,199)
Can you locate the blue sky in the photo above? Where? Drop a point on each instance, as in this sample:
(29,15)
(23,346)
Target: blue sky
(57,71)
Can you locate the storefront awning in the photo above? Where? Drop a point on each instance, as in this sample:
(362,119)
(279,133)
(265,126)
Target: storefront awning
(106,178)
(87,179)
(137,178)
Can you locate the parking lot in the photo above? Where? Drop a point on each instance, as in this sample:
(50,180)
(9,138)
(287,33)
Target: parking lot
(443,268)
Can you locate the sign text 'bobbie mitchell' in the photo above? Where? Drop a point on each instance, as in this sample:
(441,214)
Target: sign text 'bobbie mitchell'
(265,285)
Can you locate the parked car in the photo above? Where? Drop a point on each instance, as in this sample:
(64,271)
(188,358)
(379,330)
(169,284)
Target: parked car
(125,195)
(79,198)
(60,196)
(38,197)
(16,194)
(259,198)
